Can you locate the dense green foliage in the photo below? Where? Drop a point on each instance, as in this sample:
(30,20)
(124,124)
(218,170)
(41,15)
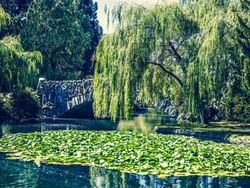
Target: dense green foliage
(22,105)
(4,18)
(18,70)
(66,32)
(61,34)
(239,139)
(238,95)
(194,54)
(18,67)
(130,152)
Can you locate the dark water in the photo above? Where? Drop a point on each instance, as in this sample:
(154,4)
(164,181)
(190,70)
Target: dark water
(144,122)
(27,174)
(8,128)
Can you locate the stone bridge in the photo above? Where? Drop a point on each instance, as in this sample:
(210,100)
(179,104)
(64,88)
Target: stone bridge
(59,97)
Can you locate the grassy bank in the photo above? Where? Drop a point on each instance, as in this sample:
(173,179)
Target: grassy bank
(162,155)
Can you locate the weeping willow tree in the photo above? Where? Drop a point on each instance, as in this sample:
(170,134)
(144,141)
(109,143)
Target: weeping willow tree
(18,68)
(182,52)
(4,18)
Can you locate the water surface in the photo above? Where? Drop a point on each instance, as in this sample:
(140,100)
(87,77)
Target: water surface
(27,174)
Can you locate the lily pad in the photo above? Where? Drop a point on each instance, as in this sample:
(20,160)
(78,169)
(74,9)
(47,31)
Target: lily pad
(141,153)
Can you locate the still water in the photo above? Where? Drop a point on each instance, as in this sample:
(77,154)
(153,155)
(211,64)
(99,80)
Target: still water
(27,174)
(143,122)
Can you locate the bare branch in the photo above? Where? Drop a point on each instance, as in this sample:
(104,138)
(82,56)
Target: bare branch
(168,72)
(175,52)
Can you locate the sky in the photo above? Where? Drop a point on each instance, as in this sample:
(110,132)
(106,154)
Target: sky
(101,4)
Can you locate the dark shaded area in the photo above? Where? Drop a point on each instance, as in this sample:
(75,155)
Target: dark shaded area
(90,8)
(58,124)
(19,106)
(211,132)
(3,113)
(15,7)
(84,110)
(58,97)
(17,10)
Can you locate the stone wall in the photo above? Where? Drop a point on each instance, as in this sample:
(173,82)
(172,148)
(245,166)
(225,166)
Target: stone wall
(57,97)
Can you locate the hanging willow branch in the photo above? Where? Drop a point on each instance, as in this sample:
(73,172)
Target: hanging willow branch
(199,39)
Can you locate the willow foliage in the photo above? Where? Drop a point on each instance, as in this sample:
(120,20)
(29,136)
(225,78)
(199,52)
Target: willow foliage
(4,18)
(185,52)
(18,68)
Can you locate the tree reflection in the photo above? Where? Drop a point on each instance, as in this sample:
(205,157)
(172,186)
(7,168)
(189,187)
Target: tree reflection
(144,122)
(27,174)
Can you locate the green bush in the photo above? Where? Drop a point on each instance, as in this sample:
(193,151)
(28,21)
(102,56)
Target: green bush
(238,109)
(22,105)
(241,108)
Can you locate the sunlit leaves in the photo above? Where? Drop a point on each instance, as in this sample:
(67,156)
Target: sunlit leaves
(123,58)
(4,18)
(196,43)
(18,68)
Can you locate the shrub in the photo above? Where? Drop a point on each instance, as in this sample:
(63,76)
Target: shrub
(22,105)
(241,108)
(237,108)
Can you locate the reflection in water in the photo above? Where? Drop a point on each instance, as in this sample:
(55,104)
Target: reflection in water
(112,179)
(20,174)
(8,128)
(144,122)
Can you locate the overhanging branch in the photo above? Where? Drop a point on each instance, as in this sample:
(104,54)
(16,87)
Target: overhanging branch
(168,72)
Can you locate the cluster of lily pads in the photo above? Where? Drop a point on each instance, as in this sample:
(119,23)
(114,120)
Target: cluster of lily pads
(240,139)
(161,155)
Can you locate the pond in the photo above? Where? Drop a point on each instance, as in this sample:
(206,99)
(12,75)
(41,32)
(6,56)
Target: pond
(26,174)
(14,173)
(144,121)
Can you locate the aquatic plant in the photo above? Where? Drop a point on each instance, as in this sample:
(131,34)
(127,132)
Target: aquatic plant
(162,155)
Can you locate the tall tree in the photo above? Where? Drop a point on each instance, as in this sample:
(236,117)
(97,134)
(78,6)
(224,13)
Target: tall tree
(64,31)
(90,11)
(147,39)
(193,46)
